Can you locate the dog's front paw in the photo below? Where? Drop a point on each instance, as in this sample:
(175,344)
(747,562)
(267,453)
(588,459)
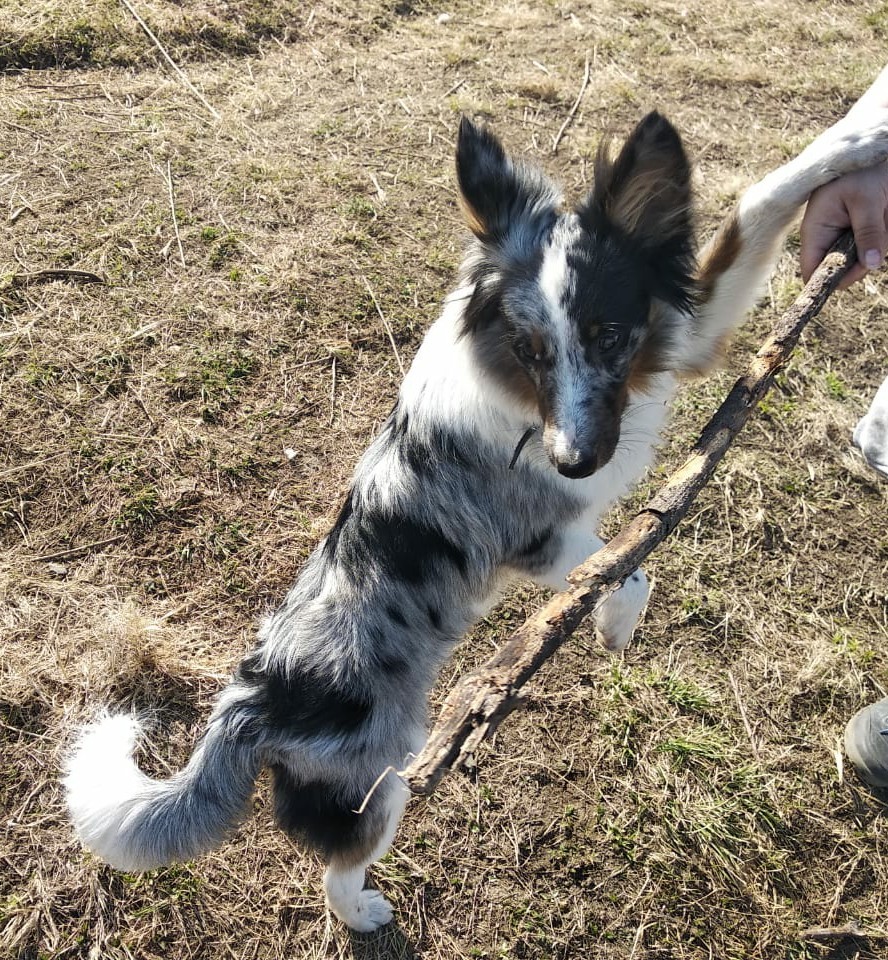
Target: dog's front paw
(611,642)
(367,912)
(616,618)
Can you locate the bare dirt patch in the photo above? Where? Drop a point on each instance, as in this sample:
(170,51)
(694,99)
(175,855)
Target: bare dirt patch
(176,439)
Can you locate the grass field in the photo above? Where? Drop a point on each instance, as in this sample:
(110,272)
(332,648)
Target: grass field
(177,438)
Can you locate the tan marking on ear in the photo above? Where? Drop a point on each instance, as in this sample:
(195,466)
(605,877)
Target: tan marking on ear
(719,255)
(644,190)
(473,220)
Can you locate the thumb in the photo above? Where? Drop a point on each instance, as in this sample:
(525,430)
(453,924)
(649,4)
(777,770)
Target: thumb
(868,225)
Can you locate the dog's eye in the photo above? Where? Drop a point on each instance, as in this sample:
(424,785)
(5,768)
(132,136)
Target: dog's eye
(608,340)
(529,353)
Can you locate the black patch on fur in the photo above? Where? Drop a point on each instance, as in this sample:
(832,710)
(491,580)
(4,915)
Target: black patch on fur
(412,551)
(326,821)
(500,196)
(398,421)
(342,521)
(606,294)
(490,278)
(658,228)
(304,701)
(395,615)
(403,548)
(425,456)
(434,616)
(535,545)
(394,666)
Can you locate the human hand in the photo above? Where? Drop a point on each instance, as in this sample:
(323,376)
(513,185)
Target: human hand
(857,200)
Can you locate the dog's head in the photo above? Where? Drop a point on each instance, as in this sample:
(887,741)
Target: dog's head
(573,310)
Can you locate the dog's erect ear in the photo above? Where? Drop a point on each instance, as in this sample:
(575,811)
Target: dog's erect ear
(502,199)
(645,191)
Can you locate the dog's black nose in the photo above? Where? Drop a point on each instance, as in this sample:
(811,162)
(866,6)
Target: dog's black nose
(581,468)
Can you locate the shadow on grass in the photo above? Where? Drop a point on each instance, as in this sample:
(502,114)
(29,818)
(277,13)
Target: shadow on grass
(862,948)
(389,943)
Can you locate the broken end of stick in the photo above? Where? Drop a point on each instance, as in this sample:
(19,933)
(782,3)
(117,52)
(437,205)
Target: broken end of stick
(458,733)
(430,767)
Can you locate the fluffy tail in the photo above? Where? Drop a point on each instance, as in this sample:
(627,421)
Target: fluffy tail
(136,823)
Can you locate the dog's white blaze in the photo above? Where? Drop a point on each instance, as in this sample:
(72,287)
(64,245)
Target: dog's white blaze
(555,282)
(564,445)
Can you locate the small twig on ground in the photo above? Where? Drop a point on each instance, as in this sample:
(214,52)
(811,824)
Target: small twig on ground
(140,404)
(479,702)
(169,180)
(851,930)
(56,273)
(735,686)
(19,127)
(333,390)
(385,323)
(178,71)
(31,465)
(20,212)
(574,108)
(74,551)
(454,87)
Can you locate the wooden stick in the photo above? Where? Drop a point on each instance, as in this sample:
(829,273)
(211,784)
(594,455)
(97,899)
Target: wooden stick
(573,109)
(851,930)
(72,552)
(178,71)
(56,273)
(482,698)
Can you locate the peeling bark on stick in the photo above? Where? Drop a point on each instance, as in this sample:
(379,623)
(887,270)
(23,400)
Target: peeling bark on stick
(482,698)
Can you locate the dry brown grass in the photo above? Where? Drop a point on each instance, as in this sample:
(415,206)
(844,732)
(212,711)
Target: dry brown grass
(149,512)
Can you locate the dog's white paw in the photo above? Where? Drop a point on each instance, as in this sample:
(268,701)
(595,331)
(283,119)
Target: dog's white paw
(616,618)
(367,912)
(613,643)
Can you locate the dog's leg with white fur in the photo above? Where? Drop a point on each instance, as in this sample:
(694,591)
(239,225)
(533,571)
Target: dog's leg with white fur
(358,907)
(736,263)
(616,617)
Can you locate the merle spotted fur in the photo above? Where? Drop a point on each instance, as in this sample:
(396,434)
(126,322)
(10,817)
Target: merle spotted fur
(569,327)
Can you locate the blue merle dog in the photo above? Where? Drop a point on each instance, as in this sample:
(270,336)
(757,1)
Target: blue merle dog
(534,401)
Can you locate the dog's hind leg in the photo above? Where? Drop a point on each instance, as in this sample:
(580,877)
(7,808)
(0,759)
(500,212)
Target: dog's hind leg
(362,909)
(617,615)
(351,828)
